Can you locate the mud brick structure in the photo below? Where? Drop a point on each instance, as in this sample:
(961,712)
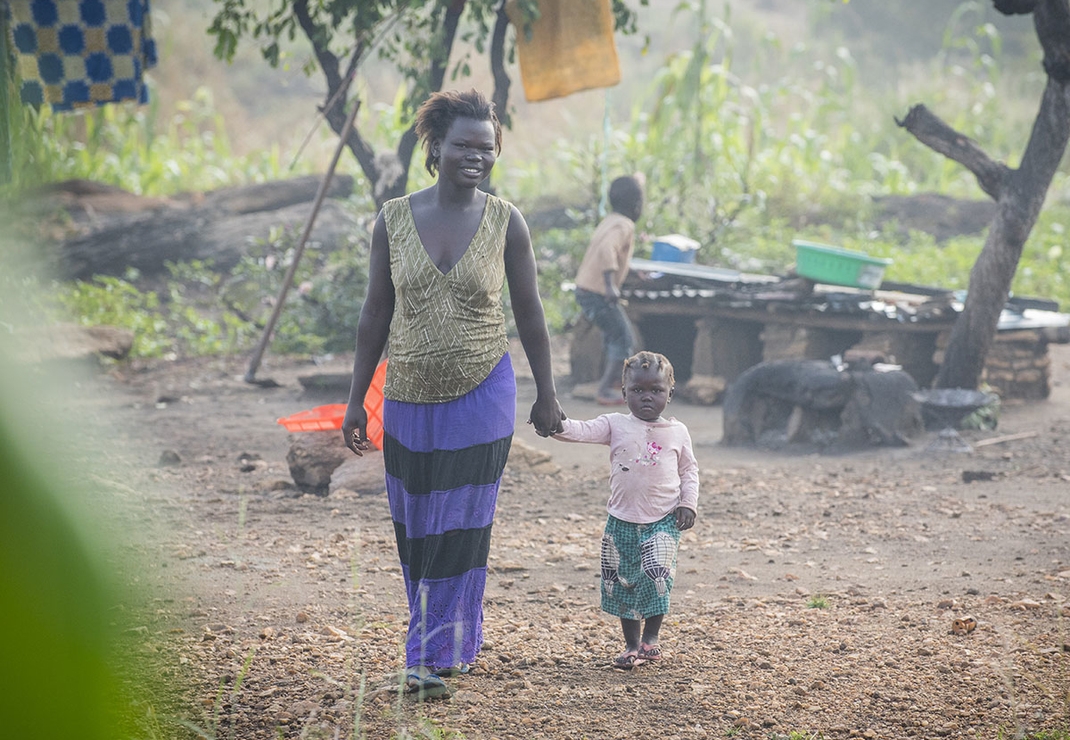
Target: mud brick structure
(716,323)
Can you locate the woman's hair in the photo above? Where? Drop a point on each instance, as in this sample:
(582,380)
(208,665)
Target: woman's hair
(646,360)
(438,112)
(626,196)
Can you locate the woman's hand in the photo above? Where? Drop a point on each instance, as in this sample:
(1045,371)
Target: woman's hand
(355,428)
(685,518)
(546,416)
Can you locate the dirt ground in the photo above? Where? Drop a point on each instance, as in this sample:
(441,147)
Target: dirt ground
(814,598)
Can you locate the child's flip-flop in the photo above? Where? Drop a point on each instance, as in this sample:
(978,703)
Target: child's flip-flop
(649,653)
(627,660)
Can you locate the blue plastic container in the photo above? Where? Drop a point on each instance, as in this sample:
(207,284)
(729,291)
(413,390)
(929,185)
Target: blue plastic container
(674,248)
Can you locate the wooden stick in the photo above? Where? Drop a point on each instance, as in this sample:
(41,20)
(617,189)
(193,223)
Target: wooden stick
(1005,438)
(258,353)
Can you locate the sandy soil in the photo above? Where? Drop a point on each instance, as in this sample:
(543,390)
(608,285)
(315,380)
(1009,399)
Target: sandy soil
(814,596)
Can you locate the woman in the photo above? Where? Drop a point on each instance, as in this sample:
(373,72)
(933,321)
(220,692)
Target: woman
(439,259)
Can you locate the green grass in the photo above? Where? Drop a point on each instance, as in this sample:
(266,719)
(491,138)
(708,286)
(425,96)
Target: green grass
(817,601)
(130,147)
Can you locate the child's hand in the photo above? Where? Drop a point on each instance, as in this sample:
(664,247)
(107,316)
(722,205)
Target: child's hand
(685,518)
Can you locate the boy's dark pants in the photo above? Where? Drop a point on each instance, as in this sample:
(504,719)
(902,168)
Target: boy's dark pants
(609,317)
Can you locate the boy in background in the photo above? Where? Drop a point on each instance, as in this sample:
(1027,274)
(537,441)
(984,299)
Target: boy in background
(601,273)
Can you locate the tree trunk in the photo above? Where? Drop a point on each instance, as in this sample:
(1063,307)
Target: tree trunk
(1019,195)
(218,230)
(502,83)
(990,282)
(387,172)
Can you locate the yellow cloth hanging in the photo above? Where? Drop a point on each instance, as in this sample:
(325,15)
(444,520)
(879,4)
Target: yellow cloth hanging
(571,48)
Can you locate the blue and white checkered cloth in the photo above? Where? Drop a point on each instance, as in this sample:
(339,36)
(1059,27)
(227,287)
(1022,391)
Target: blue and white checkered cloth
(80,53)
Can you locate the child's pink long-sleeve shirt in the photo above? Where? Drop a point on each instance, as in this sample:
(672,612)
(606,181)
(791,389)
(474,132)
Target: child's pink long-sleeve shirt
(652,466)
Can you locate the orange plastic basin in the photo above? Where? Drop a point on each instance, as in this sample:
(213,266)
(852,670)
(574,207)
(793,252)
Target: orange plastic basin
(329,417)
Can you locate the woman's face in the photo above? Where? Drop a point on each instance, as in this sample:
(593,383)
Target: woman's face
(467,152)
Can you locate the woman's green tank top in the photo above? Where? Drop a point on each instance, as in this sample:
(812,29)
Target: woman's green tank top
(448,329)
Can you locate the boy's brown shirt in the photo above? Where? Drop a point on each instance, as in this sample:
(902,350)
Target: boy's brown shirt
(610,249)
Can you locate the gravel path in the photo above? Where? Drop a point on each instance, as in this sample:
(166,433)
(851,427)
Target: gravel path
(815,595)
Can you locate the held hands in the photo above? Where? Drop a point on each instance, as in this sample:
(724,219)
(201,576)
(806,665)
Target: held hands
(546,416)
(685,518)
(355,429)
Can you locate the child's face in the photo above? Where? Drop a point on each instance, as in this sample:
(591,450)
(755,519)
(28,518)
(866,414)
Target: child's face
(647,392)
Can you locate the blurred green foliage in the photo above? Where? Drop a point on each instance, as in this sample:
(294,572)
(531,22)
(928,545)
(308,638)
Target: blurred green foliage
(322,307)
(60,665)
(57,678)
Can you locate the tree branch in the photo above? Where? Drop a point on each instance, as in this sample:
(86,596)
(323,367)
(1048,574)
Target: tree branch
(938,136)
(440,62)
(497,67)
(1021,197)
(327,60)
(1015,7)
(1052,21)
(1044,151)
(363,152)
(435,77)
(337,89)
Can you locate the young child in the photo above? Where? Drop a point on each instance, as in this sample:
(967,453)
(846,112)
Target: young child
(600,275)
(653,496)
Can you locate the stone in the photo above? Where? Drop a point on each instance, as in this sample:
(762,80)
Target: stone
(523,456)
(71,342)
(313,457)
(782,402)
(703,390)
(169,458)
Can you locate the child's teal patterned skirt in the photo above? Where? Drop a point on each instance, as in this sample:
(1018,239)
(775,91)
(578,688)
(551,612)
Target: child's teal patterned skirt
(638,567)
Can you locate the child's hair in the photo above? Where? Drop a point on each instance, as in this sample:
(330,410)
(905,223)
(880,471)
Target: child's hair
(645,359)
(626,196)
(438,112)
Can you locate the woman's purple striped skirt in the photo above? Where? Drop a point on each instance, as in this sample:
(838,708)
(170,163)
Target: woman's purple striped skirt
(444,464)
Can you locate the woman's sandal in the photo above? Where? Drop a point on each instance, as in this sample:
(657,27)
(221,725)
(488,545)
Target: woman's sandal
(457,670)
(627,660)
(426,687)
(649,653)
